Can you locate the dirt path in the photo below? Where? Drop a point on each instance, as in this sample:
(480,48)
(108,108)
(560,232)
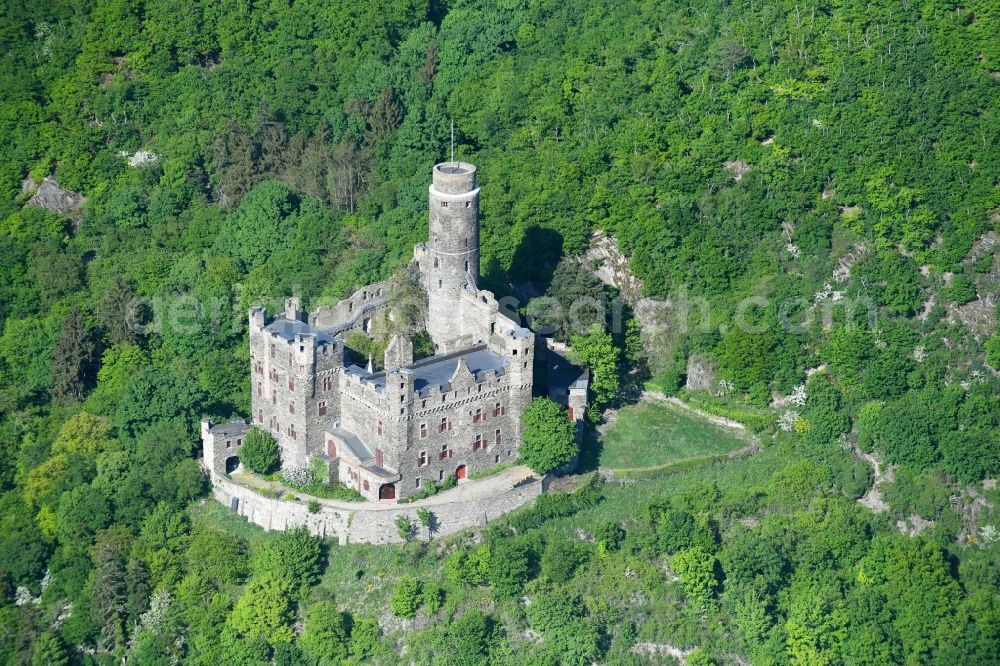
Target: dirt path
(736,428)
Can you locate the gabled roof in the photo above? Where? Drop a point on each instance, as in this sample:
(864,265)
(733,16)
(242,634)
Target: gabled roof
(287,329)
(438,370)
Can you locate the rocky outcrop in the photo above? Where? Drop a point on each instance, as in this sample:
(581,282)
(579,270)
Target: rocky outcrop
(700,374)
(50,196)
(611,267)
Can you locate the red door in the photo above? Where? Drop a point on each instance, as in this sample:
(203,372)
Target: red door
(460,472)
(569,413)
(387,491)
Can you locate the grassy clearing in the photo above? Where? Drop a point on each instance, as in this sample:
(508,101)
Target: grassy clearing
(652,434)
(212,514)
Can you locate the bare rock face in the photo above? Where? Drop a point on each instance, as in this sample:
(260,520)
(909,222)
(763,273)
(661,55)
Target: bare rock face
(50,196)
(700,374)
(612,267)
(607,262)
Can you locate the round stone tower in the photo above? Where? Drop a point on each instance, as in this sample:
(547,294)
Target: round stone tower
(452,247)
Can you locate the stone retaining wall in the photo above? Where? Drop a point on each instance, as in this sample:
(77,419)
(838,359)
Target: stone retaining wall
(359,522)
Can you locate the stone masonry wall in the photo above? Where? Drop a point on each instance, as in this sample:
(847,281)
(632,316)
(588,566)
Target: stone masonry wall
(357,524)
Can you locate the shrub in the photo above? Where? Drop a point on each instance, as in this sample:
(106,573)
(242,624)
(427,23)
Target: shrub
(561,559)
(259,452)
(404,526)
(314,506)
(297,477)
(405,597)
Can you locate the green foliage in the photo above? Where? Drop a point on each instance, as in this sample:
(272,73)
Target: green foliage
(294,555)
(404,527)
(405,598)
(259,451)
(696,569)
(561,559)
(325,637)
(596,350)
(548,439)
(264,611)
(709,147)
(960,291)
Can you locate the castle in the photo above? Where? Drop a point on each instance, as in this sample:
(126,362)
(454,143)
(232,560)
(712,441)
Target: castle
(389,433)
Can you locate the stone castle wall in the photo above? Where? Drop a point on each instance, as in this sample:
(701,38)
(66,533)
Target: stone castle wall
(350,522)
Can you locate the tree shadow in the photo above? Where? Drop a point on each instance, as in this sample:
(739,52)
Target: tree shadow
(536,258)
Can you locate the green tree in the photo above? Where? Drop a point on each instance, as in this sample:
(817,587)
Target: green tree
(548,439)
(596,350)
(264,610)
(696,569)
(259,451)
(49,650)
(325,637)
(294,555)
(74,358)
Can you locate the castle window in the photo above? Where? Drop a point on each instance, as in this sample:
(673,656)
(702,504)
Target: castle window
(260,390)
(365,484)
(274,397)
(423,404)
(496,458)
(272,350)
(291,407)
(440,283)
(291,383)
(322,408)
(435,262)
(466,267)
(379,459)
(445,452)
(422,459)
(478,416)
(328,383)
(260,416)
(508,453)
(444,204)
(239,442)
(478,443)
(423,430)
(515,352)
(497,436)
(441,475)
(498,409)
(468,203)
(445,426)
(291,431)
(378,427)
(416,482)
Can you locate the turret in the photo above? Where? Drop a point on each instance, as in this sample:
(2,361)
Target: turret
(452,263)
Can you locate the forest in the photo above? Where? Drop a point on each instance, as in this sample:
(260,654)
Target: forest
(820,178)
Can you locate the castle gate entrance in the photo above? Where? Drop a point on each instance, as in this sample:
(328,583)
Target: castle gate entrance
(232,464)
(460,472)
(387,491)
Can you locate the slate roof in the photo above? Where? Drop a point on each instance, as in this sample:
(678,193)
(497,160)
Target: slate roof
(234,427)
(438,370)
(287,329)
(564,374)
(354,443)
